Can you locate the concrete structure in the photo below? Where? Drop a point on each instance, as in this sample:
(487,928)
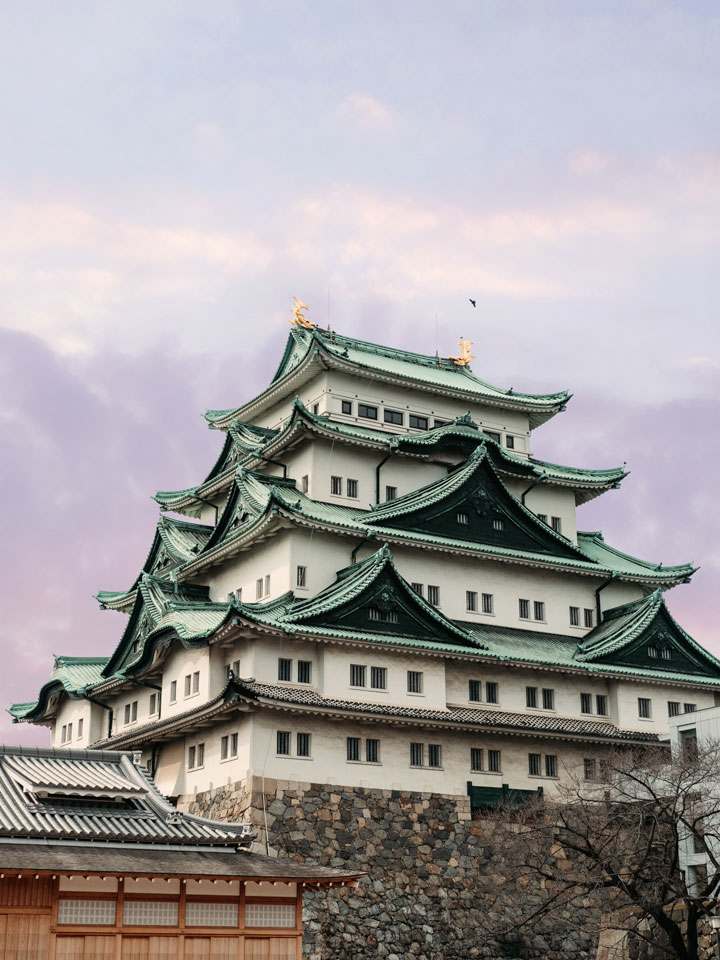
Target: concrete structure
(379,585)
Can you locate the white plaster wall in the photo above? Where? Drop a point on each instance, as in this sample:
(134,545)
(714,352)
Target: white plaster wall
(659,693)
(337,663)
(216,772)
(180,662)
(269,557)
(72,711)
(550,500)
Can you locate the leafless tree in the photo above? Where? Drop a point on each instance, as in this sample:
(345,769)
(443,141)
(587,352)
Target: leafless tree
(612,838)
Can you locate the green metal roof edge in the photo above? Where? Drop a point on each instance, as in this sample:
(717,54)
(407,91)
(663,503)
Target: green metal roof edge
(678,569)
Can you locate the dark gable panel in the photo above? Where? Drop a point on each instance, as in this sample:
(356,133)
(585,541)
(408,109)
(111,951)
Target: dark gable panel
(662,635)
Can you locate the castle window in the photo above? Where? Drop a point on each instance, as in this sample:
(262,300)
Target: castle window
(316,408)
(233,668)
(534,760)
(434,755)
(284,669)
(440,423)
(346,407)
(510,442)
(550,766)
(367,411)
(282,740)
(196,756)
(462,517)
(304,671)
(666,653)
(493,435)
(531,698)
(80,729)
(259,588)
(601,707)
(673,708)
(539,610)
(588,613)
(589,769)
(652,651)
(689,707)
(542,517)
(378,678)
(394,416)
(372,751)
(305,484)
(153,704)
(574,616)
(229,746)
(418,423)
(585,703)
(414,681)
(494,757)
(491,692)
(352,489)
(388,616)
(524,606)
(173,691)
(131,712)
(433,595)
(471,601)
(556,524)
(418,588)
(301,576)
(548,699)
(267,584)
(487,603)
(644,708)
(303,744)
(498,524)
(476,759)
(390,494)
(417,754)
(357,675)
(336,486)
(475,691)
(353,748)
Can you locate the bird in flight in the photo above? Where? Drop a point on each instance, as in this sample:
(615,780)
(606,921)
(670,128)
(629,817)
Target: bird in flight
(471,301)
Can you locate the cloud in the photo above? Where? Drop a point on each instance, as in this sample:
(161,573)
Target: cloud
(362,111)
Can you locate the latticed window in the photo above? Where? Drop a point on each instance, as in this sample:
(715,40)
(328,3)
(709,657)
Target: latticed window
(352,489)
(367,411)
(531,699)
(601,705)
(303,744)
(673,708)
(372,750)
(556,523)
(353,748)
(491,692)
(539,610)
(378,678)
(156,913)
(589,769)
(433,595)
(336,486)
(284,669)
(475,690)
(550,766)
(204,914)
(494,761)
(304,671)
(283,743)
(471,601)
(415,681)
(487,603)
(574,616)
(434,755)
(644,708)
(301,578)
(269,915)
(534,764)
(417,588)
(394,416)
(524,609)
(86,912)
(357,675)
(585,703)
(476,758)
(418,423)
(548,699)
(462,518)
(417,754)
(498,524)
(588,614)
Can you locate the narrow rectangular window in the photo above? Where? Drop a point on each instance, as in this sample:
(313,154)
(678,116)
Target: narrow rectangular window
(133,710)
(414,681)
(588,616)
(173,691)
(524,610)
(433,595)
(353,748)
(491,692)
(644,708)
(539,610)
(531,699)
(471,601)
(352,489)
(258,588)
(418,588)
(346,407)
(548,698)
(418,423)
(534,764)
(63,734)
(589,769)
(390,493)
(574,616)
(127,713)
(440,423)
(267,584)
(305,484)
(601,707)
(301,576)
(367,411)
(372,751)
(69,733)
(666,653)
(462,518)
(487,603)
(673,708)
(550,766)
(493,434)
(585,703)
(652,651)
(475,691)
(556,524)
(336,486)
(378,678)
(80,729)
(284,669)
(196,682)
(494,761)
(234,745)
(153,704)
(689,707)
(224,747)
(417,754)
(304,671)
(510,442)
(188,681)
(303,744)
(394,416)
(476,758)
(498,524)
(542,517)
(191,758)
(357,675)
(200,754)
(434,755)
(283,743)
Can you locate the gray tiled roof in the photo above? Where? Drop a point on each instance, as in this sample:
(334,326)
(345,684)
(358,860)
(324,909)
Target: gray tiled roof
(91,795)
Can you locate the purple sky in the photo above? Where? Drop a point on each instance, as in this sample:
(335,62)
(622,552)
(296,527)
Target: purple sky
(172,173)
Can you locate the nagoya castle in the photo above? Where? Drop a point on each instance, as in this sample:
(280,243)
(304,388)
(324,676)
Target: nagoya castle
(379,585)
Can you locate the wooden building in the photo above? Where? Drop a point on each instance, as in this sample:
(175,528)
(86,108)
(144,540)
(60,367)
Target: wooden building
(95,864)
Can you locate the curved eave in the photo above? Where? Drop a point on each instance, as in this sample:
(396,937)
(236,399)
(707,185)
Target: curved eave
(646,572)
(121,601)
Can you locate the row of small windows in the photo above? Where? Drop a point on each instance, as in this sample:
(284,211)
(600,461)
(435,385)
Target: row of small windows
(66,731)
(303,673)
(645,710)
(359,676)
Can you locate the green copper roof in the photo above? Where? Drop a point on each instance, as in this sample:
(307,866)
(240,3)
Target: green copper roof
(305,349)
(593,546)
(73,675)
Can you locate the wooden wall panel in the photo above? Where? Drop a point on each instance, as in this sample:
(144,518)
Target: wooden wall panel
(99,948)
(257,949)
(26,892)
(135,948)
(283,948)
(70,948)
(26,936)
(164,948)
